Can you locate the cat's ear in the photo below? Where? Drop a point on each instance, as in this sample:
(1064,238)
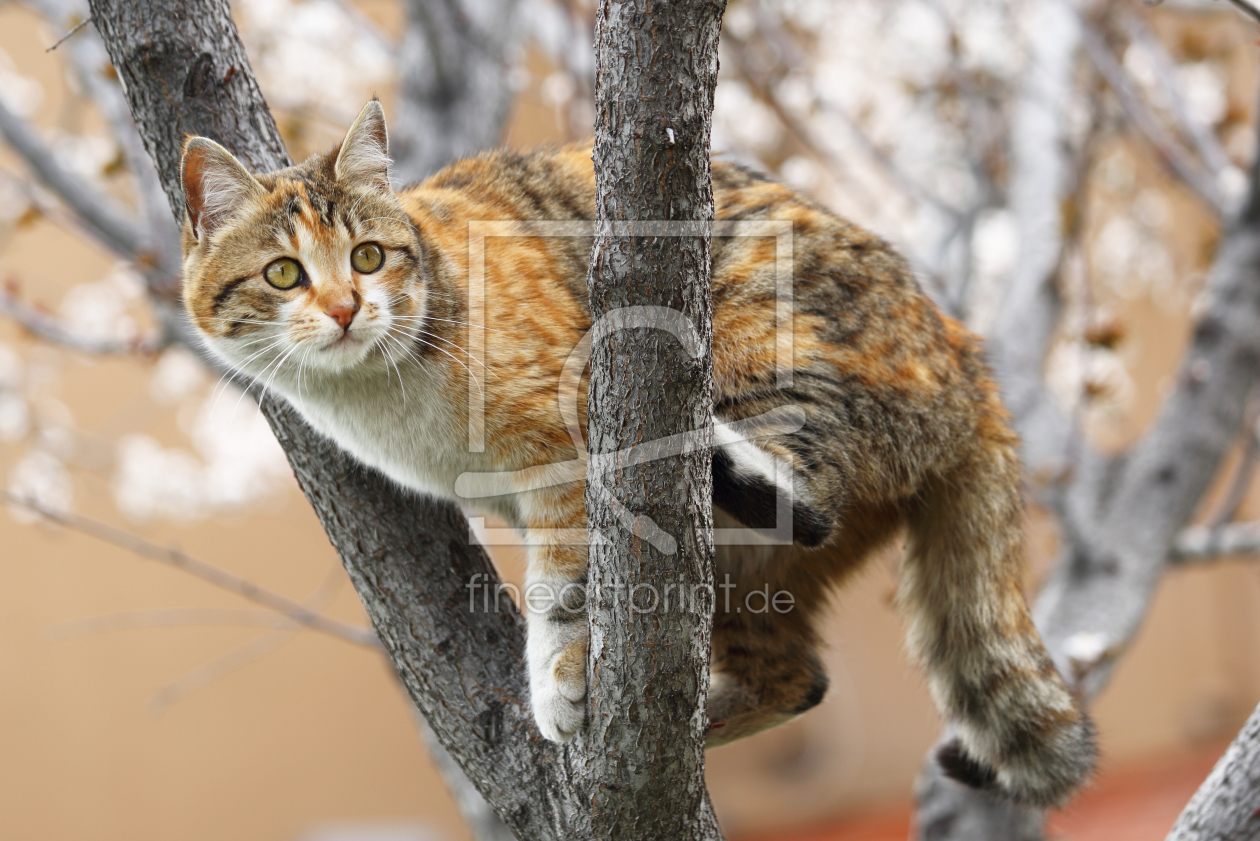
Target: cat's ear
(364,154)
(215,185)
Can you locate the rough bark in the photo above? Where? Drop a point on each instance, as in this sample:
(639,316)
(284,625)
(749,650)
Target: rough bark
(1227,805)
(410,559)
(453,81)
(656,68)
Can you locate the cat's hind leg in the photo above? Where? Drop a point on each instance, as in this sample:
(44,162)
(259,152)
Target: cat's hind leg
(760,678)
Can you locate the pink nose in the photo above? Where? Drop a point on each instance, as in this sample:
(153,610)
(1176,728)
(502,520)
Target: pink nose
(343,313)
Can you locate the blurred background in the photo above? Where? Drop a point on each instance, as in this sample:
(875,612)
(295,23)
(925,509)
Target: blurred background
(141,702)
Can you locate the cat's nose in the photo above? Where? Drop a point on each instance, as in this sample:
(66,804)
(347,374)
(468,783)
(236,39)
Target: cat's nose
(343,312)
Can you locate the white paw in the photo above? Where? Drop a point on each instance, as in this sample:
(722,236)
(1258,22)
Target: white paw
(559,715)
(558,691)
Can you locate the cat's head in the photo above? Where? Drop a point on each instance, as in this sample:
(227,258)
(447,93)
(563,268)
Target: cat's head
(317,261)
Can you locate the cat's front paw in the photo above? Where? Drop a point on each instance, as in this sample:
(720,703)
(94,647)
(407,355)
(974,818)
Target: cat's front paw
(558,692)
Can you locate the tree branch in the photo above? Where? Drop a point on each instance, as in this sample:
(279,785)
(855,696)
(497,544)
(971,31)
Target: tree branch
(283,605)
(49,328)
(1200,544)
(1227,805)
(105,219)
(1121,515)
(1173,156)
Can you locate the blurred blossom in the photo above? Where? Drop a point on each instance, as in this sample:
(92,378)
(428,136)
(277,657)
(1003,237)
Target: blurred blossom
(800,172)
(42,478)
(87,155)
(11,369)
(14,199)
(100,311)
(237,462)
(742,122)
(20,94)
(995,247)
(1203,86)
(314,51)
(1077,371)
(15,417)
(176,375)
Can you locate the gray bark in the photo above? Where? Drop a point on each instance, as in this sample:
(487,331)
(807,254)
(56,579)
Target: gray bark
(656,68)
(453,85)
(1227,805)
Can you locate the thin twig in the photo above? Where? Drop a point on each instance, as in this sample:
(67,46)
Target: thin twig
(207,572)
(51,329)
(167,617)
(69,34)
(242,655)
(1244,474)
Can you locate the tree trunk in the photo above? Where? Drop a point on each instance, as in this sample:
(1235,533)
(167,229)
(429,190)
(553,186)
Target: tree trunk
(1227,805)
(651,378)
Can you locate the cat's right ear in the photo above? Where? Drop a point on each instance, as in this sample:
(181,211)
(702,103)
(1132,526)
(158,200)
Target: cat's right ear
(215,185)
(364,154)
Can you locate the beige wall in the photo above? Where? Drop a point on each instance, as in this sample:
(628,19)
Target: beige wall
(316,731)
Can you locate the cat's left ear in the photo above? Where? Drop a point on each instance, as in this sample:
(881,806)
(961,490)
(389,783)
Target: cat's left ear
(364,154)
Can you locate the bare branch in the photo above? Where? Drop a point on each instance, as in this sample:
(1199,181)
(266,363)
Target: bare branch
(166,617)
(1201,135)
(69,34)
(1189,171)
(1247,8)
(206,572)
(1225,806)
(48,327)
(1198,544)
(241,656)
(159,258)
(106,220)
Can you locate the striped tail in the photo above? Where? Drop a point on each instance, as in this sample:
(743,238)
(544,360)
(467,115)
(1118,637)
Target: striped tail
(1018,729)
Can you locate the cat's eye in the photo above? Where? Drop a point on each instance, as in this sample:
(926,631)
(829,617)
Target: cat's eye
(284,273)
(367,257)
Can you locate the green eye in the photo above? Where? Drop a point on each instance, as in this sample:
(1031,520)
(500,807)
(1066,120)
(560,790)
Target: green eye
(284,273)
(367,258)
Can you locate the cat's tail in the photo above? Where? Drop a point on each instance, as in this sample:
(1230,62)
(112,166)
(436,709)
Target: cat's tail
(1018,729)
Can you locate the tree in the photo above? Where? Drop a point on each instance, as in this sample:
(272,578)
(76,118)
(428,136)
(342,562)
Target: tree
(1028,155)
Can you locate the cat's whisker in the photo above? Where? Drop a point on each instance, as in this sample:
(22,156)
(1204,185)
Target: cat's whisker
(402,387)
(440,350)
(411,330)
(239,368)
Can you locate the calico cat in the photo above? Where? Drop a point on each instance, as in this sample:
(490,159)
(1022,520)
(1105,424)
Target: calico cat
(351,301)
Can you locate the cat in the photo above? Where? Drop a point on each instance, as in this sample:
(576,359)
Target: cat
(352,301)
